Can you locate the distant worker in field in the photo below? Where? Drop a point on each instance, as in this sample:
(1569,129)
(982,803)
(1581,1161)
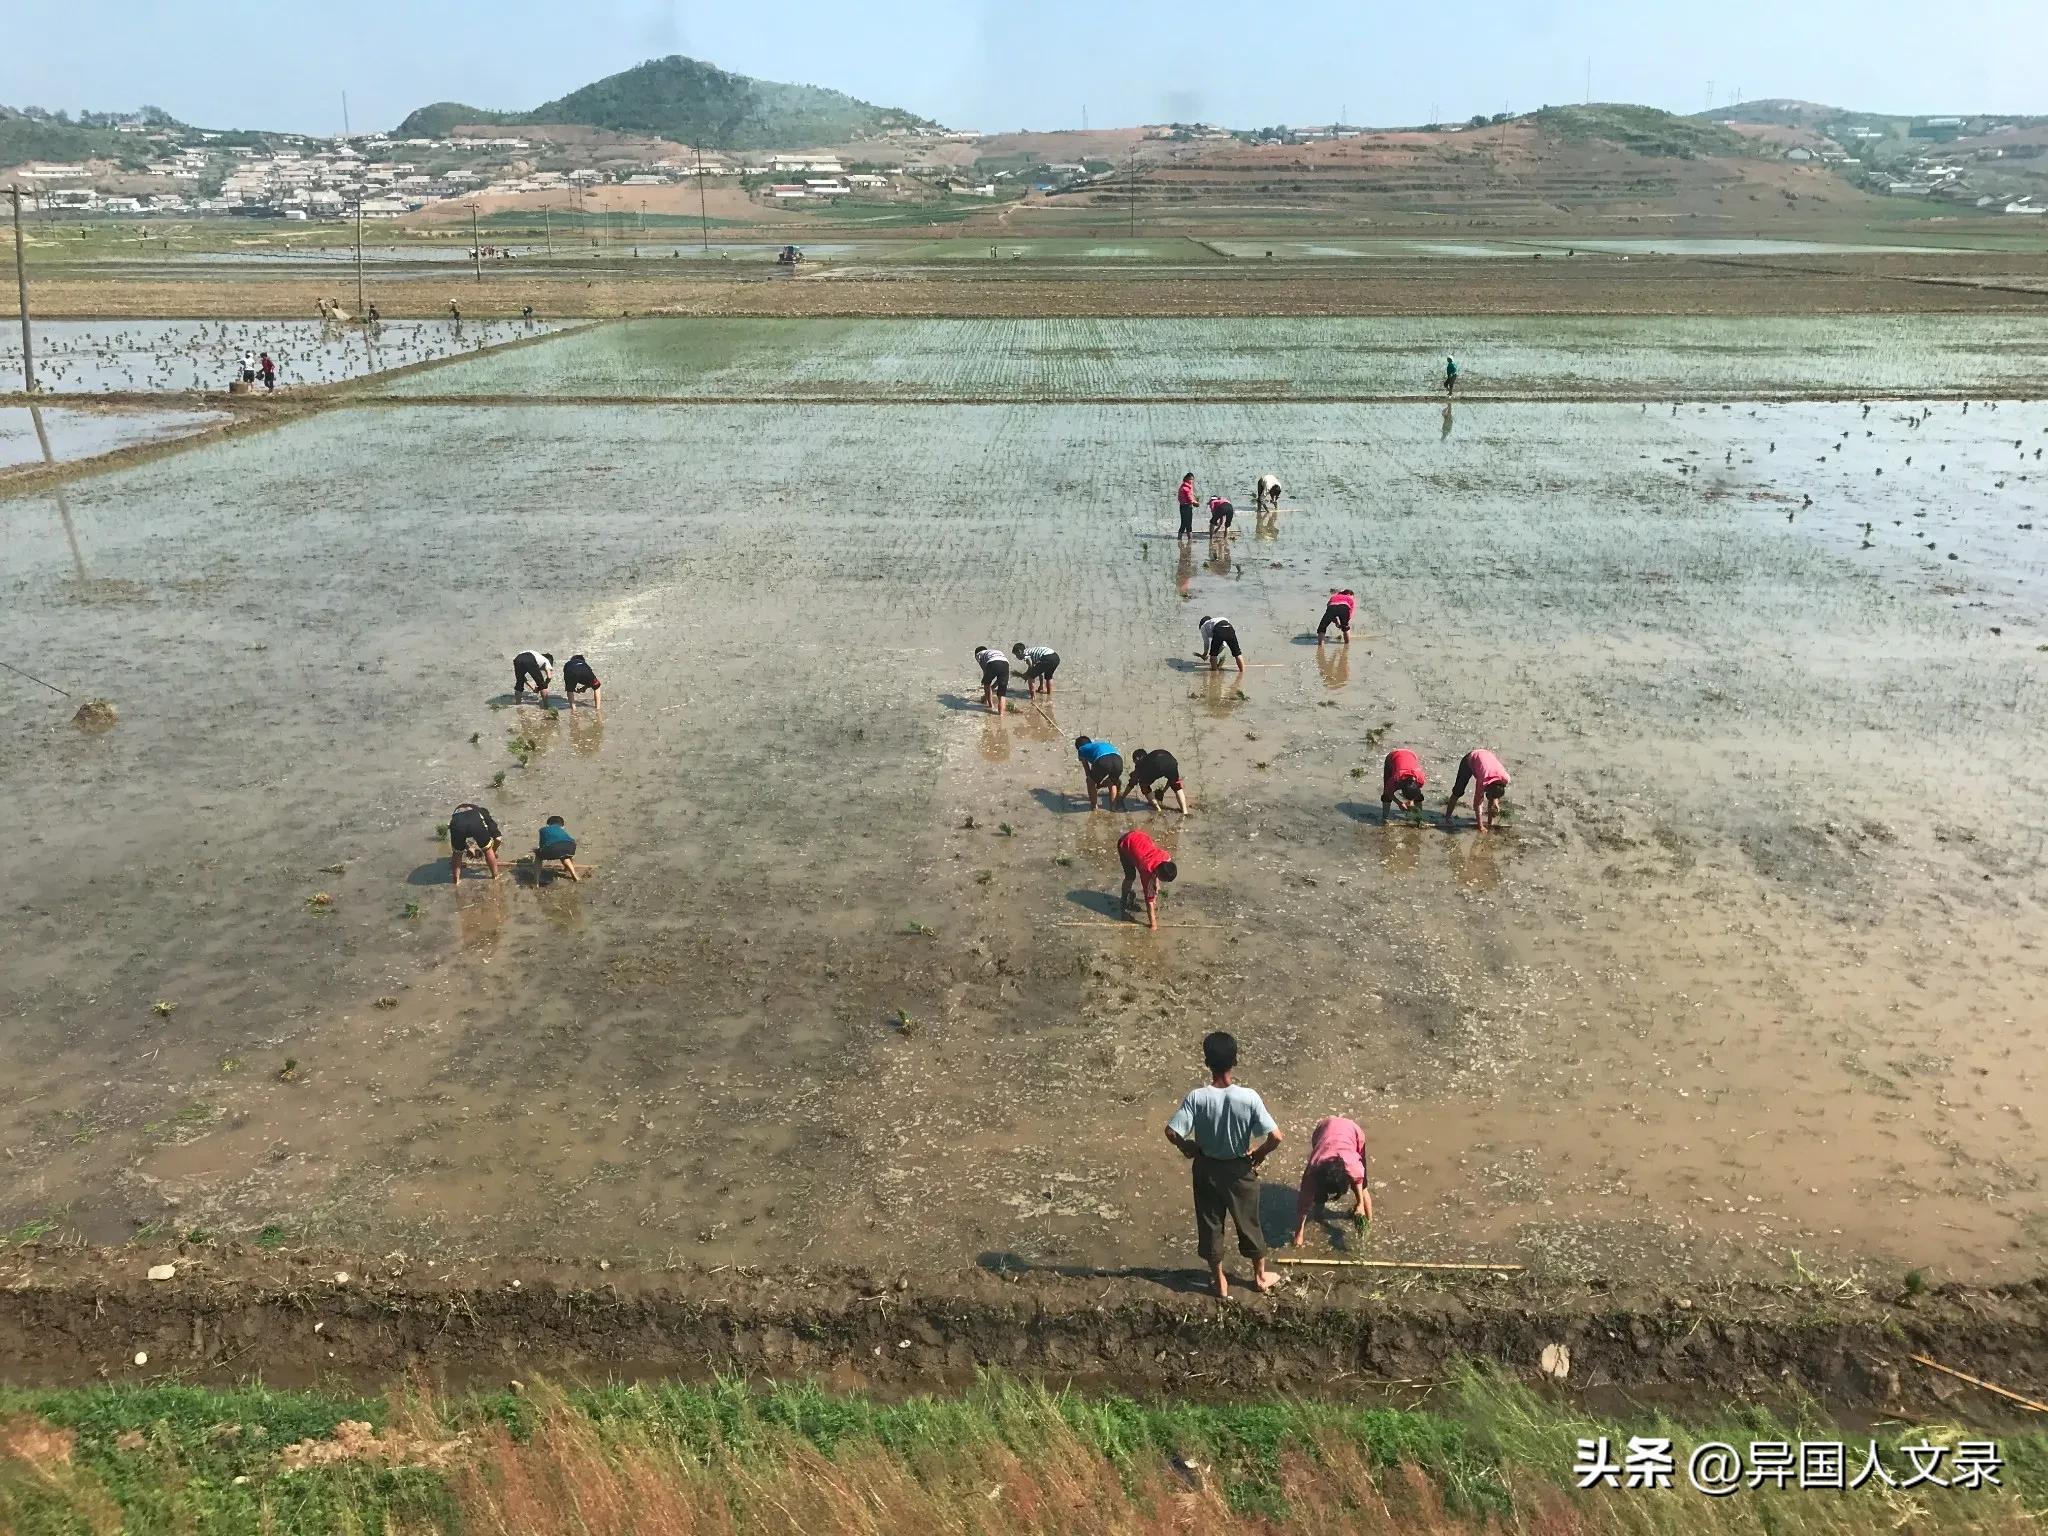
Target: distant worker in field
(1102,767)
(1482,772)
(1214,1129)
(1146,867)
(1401,778)
(266,370)
(1336,1166)
(555,846)
(1268,494)
(1040,662)
(1221,512)
(995,677)
(472,834)
(1337,609)
(578,677)
(1153,773)
(1187,505)
(455,314)
(374,316)
(526,313)
(1216,634)
(248,367)
(1450,375)
(536,667)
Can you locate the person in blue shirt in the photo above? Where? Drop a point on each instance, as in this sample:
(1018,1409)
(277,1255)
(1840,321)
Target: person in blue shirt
(1214,1129)
(556,847)
(1103,767)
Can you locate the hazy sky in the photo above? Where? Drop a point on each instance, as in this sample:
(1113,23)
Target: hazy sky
(1030,63)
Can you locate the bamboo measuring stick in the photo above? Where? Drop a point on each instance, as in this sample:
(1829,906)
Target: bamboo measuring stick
(1097,923)
(1499,1269)
(1936,1365)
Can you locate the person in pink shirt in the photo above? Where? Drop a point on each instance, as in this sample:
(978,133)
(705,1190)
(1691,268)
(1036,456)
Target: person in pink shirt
(1481,771)
(1337,610)
(1336,1163)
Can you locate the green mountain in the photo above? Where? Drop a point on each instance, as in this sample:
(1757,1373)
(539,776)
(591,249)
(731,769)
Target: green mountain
(1646,130)
(691,102)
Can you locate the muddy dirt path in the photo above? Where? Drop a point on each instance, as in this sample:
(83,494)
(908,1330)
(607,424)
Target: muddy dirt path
(1751,976)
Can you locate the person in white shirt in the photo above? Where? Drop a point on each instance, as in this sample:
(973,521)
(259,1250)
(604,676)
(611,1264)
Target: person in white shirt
(995,677)
(1040,662)
(1216,634)
(1268,494)
(536,667)
(1214,1128)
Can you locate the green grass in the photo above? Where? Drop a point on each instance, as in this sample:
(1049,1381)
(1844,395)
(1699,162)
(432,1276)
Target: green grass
(164,1458)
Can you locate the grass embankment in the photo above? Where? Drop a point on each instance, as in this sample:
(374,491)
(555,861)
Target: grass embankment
(1002,1457)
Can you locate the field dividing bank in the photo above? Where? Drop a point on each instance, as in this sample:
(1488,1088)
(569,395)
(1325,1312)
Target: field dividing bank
(910,361)
(1616,1041)
(1002,1456)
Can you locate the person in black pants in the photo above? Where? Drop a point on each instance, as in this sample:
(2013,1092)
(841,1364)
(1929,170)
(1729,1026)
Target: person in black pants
(995,677)
(536,667)
(472,833)
(1216,634)
(577,677)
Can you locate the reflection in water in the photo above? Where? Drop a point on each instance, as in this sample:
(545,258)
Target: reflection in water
(1446,432)
(1334,662)
(1184,572)
(35,415)
(1474,863)
(1400,844)
(1219,557)
(1221,692)
(563,909)
(1268,524)
(480,907)
(995,740)
(586,732)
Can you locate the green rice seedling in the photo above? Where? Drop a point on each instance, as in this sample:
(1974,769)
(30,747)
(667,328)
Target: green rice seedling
(289,1072)
(162,1009)
(411,909)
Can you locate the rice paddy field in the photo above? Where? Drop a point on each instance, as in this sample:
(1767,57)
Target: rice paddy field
(1224,361)
(1750,980)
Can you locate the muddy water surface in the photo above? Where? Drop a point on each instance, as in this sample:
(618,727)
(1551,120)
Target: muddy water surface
(1754,969)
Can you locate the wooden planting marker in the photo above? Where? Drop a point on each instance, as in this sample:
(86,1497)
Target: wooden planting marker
(1498,1269)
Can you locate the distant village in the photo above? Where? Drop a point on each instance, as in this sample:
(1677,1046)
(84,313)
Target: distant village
(1928,157)
(188,172)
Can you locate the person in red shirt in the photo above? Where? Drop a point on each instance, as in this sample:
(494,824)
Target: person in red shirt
(1481,772)
(1187,505)
(1401,778)
(1337,610)
(1148,866)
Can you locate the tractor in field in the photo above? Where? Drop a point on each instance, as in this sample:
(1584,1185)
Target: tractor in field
(788,256)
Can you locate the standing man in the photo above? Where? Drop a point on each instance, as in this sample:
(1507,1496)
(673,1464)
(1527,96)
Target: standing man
(1187,505)
(1214,1129)
(249,368)
(267,371)
(995,677)
(1482,772)
(1148,865)
(1040,662)
(1216,634)
(1336,1163)
(1450,376)
(1102,766)
(536,667)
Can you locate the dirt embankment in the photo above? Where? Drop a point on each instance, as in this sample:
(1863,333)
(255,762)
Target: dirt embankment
(73,1315)
(1435,287)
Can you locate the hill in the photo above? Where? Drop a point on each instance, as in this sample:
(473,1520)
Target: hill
(690,102)
(1625,168)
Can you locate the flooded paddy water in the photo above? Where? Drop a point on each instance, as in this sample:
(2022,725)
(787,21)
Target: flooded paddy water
(83,434)
(75,357)
(1226,360)
(1755,969)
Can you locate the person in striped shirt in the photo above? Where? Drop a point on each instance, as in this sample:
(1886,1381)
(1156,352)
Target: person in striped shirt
(995,677)
(1040,662)
(1481,772)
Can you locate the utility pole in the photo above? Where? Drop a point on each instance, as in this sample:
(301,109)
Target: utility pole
(1134,191)
(639,227)
(28,361)
(344,115)
(547,224)
(476,250)
(703,218)
(1589,80)
(361,308)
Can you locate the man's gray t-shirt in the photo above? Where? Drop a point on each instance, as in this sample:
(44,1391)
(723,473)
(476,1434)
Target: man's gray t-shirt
(1223,1122)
